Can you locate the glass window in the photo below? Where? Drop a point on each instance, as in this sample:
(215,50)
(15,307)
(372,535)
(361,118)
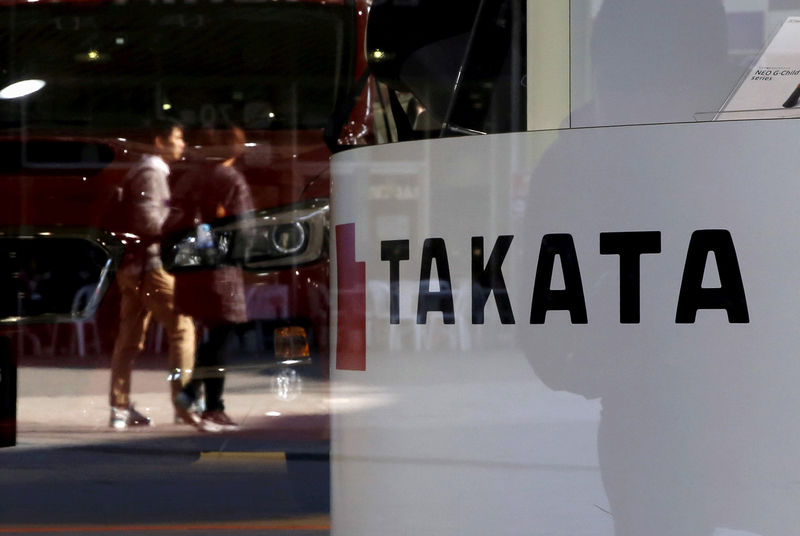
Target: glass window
(660,62)
(164,209)
(460,72)
(109,66)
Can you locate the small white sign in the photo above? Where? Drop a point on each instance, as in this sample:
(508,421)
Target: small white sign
(771,89)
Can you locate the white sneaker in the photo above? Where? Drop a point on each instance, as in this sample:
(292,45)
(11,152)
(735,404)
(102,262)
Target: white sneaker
(121,418)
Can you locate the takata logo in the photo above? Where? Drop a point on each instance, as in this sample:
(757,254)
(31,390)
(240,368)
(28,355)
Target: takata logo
(351,331)
(435,293)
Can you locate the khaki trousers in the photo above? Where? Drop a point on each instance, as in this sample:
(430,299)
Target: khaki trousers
(146,295)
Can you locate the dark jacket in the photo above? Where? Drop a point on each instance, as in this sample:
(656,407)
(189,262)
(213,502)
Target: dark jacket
(214,296)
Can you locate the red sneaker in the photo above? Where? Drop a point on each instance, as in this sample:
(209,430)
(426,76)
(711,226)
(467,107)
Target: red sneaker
(184,416)
(217,421)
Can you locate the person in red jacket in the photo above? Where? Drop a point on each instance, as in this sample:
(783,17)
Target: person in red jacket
(213,296)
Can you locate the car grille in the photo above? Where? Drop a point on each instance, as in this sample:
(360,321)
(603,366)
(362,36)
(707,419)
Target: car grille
(55,274)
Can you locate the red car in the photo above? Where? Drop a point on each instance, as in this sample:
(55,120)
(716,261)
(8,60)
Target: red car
(92,73)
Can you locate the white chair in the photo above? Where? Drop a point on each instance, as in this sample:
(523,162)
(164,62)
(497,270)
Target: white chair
(84,327)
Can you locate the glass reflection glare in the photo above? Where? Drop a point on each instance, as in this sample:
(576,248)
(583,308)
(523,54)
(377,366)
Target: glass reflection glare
(22,88)
(287,384)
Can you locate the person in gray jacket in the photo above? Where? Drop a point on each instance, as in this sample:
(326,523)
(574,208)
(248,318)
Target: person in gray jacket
(147,290)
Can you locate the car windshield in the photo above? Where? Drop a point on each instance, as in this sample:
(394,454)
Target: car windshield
(106,66)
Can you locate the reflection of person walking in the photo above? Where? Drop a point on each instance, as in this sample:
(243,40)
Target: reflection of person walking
(147,289)
(213,296)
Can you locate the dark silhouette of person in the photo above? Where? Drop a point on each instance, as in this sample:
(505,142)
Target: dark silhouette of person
(657,62)
(688,440)
(213,295)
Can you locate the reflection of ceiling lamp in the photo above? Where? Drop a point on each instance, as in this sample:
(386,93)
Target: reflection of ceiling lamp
(92,55)
(21,89)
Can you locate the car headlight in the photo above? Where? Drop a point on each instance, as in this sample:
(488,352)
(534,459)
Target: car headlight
(264,240)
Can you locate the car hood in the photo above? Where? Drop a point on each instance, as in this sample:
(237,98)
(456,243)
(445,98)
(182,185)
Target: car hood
(55,180)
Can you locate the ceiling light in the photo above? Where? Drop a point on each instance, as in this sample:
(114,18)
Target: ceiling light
(21,89)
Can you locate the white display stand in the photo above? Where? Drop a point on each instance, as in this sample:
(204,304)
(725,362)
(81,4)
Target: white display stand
(772,80)
(660,425)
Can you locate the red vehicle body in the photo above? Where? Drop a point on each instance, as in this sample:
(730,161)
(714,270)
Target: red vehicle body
(278,69)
